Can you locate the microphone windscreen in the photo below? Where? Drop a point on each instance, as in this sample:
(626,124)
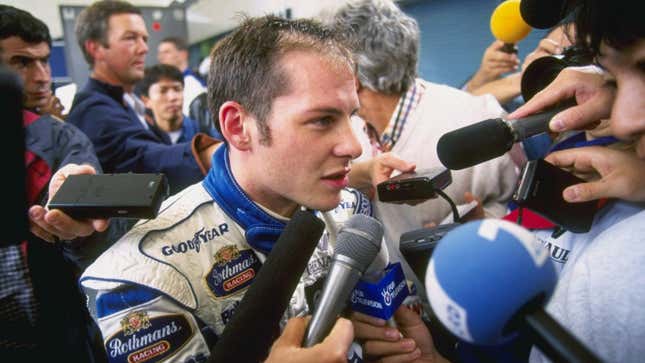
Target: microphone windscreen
(361,238)
(507,24)
(474,144)
(255,324)
(482,273)
(543,14)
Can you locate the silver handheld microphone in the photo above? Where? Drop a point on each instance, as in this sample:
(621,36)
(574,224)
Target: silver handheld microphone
(359,240)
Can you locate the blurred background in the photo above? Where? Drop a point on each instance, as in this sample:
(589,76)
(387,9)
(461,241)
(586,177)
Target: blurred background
(454,33)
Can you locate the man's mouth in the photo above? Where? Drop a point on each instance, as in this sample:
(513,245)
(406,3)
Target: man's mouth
(338,179)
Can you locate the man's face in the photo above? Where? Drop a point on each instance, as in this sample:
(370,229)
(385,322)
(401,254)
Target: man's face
(123,60)
(165,99)
(307,160)
(167,53)
(627,66)
(31,62)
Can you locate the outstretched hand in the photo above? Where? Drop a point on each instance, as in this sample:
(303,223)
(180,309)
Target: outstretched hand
(610,173)
(287,349)
(53,224)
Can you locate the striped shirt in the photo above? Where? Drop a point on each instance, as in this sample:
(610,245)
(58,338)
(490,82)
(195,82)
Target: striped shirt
(407,103)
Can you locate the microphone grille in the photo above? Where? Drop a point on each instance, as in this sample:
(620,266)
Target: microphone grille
(360,239)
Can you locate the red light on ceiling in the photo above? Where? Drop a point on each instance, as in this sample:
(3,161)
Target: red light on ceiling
(156,26)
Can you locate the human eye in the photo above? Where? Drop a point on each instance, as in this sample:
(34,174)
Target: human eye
(20,62)
(640,65)
(323,122)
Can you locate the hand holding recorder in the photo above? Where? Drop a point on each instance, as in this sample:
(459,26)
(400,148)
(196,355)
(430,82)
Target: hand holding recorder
(126,195)
(51,224)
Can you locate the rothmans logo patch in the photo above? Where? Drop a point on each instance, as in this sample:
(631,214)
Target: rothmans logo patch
(134,322)
(143,339)
(232,271)
(226,254)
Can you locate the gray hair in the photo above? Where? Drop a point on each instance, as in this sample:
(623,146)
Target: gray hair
(385,42)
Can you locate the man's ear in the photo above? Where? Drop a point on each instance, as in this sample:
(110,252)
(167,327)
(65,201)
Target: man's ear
(145,100)
(235,125)
(94,48)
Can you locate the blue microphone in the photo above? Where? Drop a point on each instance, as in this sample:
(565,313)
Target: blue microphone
(490,278)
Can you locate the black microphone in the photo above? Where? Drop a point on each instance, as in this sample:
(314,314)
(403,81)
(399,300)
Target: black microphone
(358,242)
(488,139)
(543,14)
(255,325)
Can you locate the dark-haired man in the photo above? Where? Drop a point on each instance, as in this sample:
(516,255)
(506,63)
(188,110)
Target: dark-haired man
(29,57)
(162,93)
(42,307)
(174,51)
(284,92)
(113,38)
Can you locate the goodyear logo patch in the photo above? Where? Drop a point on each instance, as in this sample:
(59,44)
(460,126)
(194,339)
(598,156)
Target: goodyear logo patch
(143,339)
(232,271)
(201,237)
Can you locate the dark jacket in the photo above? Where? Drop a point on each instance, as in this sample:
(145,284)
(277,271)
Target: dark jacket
(46,316)
(123,144)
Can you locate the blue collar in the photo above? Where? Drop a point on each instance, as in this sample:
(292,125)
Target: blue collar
(260,229)
(580,140)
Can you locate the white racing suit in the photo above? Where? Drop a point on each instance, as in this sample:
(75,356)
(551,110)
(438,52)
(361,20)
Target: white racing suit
(166,290)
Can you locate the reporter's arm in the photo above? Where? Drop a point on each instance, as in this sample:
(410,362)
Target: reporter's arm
(382,341)
(503,89)
(587,85)
(287,348)
(52,224)
(494,63)
(611,173)
(377,170)
(412,341)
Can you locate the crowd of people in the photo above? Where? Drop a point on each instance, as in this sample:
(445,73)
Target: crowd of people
(305,113)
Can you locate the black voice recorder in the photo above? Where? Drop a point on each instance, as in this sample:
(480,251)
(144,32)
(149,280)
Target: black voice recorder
(125,195)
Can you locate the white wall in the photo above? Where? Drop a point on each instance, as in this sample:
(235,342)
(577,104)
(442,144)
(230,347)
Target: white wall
(47,10)
(211,17)
(205,17)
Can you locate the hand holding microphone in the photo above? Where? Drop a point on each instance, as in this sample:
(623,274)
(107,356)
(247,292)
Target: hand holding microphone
(495,62)
(358,243)
(587,86)
(255,324)
(488,139)
(286,349)
(499,285)
(500,57)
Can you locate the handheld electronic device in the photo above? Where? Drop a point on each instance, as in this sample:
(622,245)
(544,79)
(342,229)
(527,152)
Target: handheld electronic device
(418,185)
(111,195)
(540,190)
(417,246)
